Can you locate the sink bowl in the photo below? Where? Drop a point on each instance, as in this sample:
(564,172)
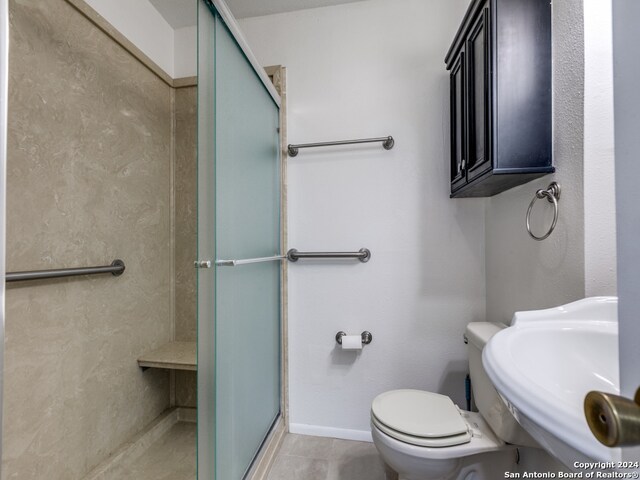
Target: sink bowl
(545,364)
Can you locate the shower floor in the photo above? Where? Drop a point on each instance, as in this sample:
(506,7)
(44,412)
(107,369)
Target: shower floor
(171,457)
(165,451)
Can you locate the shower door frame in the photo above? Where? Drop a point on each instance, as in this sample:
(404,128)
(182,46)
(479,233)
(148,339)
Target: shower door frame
(274,80)
(4,98)
(277,74)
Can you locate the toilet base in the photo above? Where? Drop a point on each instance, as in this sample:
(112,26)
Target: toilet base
(484,466)
(483,458)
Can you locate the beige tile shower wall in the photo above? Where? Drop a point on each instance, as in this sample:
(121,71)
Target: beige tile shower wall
(185,232)
(185,211)
(89,174)
(186,392)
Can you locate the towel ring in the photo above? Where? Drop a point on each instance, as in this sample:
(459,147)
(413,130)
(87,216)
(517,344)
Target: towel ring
(553,195)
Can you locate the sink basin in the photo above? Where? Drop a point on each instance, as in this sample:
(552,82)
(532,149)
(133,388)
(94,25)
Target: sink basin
(545,364)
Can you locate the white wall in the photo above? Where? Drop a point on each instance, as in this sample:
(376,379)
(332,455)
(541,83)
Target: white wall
(579,259)
(367,69)
(185,45)
(143,25)
(599,166)
(172,50)
(522,273)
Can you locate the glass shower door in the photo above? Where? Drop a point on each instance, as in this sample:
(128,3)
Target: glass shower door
(239,211)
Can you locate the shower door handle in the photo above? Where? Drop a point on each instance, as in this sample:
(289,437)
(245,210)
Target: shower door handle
(247,261)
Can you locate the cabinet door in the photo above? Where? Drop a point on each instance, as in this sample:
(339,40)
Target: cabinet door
(458,122)
(479,75)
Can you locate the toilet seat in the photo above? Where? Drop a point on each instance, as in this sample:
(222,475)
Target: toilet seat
(420,418)
(449,441)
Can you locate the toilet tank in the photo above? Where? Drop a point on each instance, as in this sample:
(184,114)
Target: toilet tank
(489,403)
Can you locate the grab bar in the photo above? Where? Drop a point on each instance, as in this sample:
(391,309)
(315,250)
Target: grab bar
(387,143)
(116,268)
(363,255)
(246,261)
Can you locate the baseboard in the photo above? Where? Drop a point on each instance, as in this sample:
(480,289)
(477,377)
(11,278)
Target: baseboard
(187,414)
(331,432)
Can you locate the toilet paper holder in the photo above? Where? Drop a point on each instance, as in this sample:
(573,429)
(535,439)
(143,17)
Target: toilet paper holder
(366,337)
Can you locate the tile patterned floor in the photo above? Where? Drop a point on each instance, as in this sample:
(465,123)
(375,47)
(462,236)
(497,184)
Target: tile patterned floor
(315,458)
(301,457)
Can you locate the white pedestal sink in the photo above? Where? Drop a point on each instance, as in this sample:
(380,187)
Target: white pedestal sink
(545,364)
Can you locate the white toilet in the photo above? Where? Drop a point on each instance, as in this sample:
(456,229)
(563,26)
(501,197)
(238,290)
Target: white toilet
(425,436)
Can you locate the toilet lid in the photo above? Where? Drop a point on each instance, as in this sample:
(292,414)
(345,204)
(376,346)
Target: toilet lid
(434,442)
(420,414)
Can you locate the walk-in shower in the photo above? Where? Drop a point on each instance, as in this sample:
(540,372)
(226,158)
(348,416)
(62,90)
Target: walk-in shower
(122,360)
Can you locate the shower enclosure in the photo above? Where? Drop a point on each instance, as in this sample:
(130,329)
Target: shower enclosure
(239,257)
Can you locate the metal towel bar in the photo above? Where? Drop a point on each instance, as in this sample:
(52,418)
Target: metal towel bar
(363,255)
(387,143)
(292,255)
(116,268)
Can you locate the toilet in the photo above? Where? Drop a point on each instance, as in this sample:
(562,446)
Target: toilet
(425,436)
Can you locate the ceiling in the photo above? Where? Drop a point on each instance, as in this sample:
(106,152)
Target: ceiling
(256,8)
(182,13)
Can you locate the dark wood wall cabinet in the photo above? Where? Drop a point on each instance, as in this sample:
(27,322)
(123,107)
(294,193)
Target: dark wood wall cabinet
(500,87)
